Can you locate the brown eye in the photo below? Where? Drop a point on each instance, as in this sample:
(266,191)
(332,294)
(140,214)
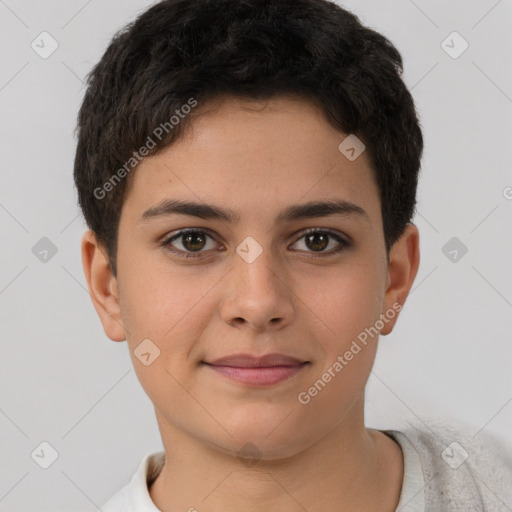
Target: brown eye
(193,241)
(189,241)
(318,240)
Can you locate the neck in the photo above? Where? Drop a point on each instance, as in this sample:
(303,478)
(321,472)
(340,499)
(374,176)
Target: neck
(351,468)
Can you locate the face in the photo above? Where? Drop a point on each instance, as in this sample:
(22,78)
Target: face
(258,271)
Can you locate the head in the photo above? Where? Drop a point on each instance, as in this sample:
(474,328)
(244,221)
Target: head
(242,107)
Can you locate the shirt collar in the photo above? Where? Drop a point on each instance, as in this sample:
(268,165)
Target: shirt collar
(140,500)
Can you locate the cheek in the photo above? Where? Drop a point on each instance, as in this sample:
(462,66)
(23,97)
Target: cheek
(348,341)
(349,302)
(157,303)
(170,308)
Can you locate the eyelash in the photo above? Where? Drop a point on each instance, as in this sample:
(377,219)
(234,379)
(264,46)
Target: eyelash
(344,244)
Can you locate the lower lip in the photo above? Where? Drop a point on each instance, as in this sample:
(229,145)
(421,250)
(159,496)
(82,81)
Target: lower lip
(257,376)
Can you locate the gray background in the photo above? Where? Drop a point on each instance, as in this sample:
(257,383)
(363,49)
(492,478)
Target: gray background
(64,382)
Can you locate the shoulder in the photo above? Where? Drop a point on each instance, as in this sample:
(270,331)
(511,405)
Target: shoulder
(134,496)
(462,471)
(119,502)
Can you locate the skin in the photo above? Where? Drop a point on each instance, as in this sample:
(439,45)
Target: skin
(257,158)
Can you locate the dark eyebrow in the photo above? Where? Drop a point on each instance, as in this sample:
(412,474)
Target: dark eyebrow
(322,209)
(296,212)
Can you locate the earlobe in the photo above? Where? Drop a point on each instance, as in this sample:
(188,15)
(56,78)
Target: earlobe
(403,266)
(102,286)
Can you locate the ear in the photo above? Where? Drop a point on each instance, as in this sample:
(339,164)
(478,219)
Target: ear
(404,260)
(102,286)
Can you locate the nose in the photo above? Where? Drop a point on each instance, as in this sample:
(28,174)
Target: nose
(258,294)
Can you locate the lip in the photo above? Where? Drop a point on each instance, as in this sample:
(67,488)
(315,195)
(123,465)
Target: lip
(250,361)
(252,370)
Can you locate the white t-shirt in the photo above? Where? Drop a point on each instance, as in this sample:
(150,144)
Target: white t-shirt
(134,497)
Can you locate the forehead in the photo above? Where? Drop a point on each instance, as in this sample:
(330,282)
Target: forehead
(252,154)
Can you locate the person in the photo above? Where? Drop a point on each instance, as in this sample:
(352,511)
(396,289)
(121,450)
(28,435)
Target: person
(248,171)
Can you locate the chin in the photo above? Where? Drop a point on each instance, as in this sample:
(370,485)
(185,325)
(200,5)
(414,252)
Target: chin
(265,437)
